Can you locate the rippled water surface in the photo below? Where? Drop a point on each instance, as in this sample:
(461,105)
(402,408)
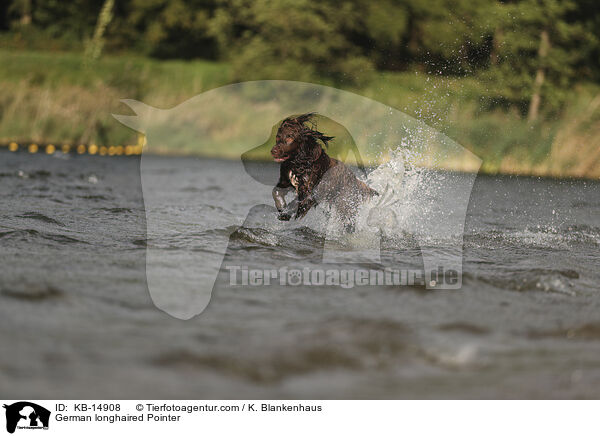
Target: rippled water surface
(77,320)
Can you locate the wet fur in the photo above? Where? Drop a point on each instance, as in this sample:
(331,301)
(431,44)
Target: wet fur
(314,175)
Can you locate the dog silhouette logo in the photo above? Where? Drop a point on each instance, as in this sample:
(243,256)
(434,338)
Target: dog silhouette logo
(26,415)
(418,197)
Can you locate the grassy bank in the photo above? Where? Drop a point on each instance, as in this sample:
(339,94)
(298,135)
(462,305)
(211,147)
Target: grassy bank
(53,97)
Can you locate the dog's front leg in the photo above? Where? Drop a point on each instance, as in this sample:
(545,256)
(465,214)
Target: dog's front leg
(305,202)
(285,211)
(279,197)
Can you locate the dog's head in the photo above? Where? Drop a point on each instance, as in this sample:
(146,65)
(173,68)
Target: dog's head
(294,137)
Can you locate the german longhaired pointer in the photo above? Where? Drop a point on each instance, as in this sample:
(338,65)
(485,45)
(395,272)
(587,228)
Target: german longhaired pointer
(316,177)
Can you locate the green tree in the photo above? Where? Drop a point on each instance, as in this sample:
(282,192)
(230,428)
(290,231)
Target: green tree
(540,55)
(298,40)
(173,28)
(451,36)
(96,44)
(75,19)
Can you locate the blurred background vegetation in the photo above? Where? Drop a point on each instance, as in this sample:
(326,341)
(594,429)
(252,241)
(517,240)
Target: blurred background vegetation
(517,82)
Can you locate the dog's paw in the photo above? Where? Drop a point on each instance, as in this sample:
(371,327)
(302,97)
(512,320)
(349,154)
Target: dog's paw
(300,214)
(284,216)
(303,209)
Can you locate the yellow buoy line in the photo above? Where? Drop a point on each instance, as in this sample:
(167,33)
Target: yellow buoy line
(93,149)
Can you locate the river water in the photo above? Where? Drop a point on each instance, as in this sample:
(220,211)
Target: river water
(77,319)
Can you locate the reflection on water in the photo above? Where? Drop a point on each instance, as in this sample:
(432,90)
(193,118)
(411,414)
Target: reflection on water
(77,318)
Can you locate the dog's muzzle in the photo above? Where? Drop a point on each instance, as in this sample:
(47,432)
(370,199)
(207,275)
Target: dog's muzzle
(278,156)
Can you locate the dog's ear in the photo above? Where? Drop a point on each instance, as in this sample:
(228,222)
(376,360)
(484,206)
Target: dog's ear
(324,138)
(315,134)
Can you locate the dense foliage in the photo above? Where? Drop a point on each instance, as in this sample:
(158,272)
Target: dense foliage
(526,54)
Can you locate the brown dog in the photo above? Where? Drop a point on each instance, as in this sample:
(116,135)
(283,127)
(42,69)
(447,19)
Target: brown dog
(315,176)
